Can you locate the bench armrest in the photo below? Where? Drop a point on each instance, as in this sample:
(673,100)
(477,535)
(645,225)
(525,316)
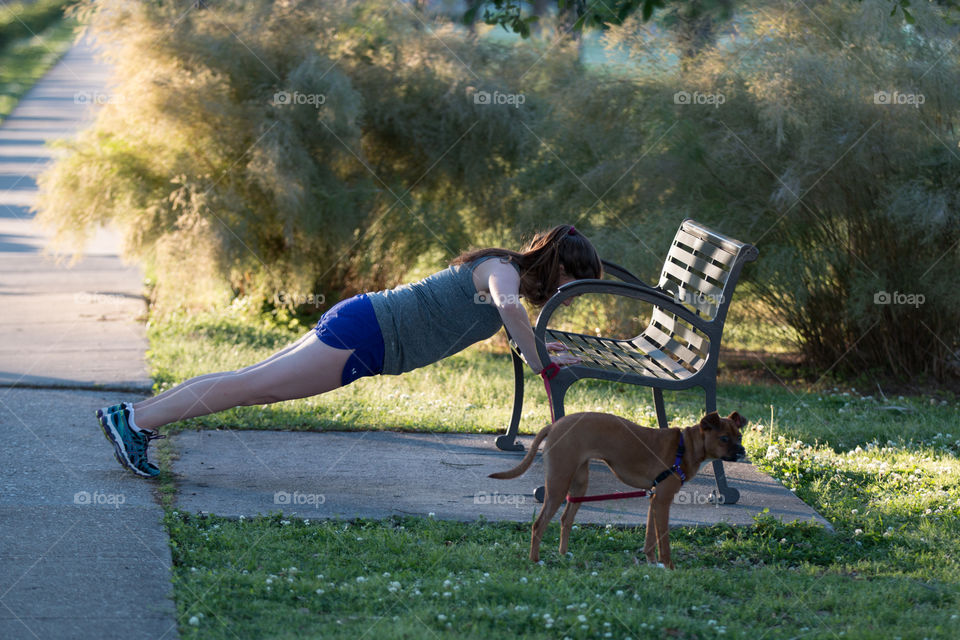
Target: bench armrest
(643,292)
(622,273)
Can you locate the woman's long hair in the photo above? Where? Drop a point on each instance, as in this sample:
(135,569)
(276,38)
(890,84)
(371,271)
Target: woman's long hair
(541,259)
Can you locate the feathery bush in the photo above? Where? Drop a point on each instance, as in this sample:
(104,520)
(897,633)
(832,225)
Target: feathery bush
(311,147)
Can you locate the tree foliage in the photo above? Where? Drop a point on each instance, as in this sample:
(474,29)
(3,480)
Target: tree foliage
(515,15)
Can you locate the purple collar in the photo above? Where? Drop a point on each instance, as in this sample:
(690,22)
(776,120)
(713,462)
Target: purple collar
(681,449)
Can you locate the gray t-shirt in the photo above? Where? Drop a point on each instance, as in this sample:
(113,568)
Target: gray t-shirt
(437,317)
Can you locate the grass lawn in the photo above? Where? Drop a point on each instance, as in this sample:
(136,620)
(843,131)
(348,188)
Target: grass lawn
(25,61)
(883,470)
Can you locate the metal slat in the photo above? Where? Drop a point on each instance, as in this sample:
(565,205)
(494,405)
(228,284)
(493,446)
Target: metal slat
(708,289)
(637,360)
(684,257)
(669,322)
(705,248)
(694,228)
(666,362)
(671,345)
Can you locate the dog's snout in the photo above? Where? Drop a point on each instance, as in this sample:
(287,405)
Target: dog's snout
(738,453)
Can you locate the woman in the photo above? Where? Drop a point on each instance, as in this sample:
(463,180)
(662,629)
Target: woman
(388,332)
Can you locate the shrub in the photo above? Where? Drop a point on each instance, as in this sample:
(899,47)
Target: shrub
(26,19)
(306,147)
(779,131)
(832,152)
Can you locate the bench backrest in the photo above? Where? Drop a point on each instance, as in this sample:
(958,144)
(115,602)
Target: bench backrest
(702,268)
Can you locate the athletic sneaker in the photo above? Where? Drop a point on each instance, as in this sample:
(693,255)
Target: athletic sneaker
(129,441)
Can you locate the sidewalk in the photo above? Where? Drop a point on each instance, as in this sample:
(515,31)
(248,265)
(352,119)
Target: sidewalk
(83,552)
(379,474)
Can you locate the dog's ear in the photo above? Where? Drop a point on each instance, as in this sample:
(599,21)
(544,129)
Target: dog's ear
(737,419)
(711,421)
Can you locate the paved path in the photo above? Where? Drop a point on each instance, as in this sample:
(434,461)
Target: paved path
(83,552)
(379,474)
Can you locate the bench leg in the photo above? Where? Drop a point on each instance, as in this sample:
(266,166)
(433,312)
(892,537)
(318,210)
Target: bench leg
(661,411)
(558,390)
(730,495)
(508,441)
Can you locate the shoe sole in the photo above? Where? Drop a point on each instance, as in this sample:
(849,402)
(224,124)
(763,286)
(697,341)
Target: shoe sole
(119,452)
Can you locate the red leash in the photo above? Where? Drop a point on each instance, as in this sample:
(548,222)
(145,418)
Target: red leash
(607,496)
(548,373)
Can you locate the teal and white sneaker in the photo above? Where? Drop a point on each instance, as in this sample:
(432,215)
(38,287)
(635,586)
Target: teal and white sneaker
(129,441)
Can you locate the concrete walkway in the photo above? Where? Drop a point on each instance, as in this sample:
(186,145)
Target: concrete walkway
(83,552)
(379,474)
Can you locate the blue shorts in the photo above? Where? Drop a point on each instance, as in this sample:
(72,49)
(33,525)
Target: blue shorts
(352,324)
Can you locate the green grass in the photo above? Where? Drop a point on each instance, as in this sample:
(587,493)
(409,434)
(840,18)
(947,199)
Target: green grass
(884,471)
(420,578)
(25,61)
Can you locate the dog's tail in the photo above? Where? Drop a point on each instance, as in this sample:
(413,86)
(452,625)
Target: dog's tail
(527,459)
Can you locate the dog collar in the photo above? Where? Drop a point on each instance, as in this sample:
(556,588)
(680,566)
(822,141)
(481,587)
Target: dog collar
(681,449)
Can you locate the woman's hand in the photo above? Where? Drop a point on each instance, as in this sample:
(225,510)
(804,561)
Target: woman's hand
(556,346)
(563,359)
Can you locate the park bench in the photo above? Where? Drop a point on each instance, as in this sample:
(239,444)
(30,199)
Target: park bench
(677,350)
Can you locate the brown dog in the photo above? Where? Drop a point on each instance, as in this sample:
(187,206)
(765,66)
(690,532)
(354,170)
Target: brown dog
(637,455)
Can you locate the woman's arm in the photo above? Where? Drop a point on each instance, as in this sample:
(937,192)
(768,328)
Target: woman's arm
(504,287)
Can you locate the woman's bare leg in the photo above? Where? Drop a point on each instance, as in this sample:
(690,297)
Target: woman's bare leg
(164,397)
(309,368)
